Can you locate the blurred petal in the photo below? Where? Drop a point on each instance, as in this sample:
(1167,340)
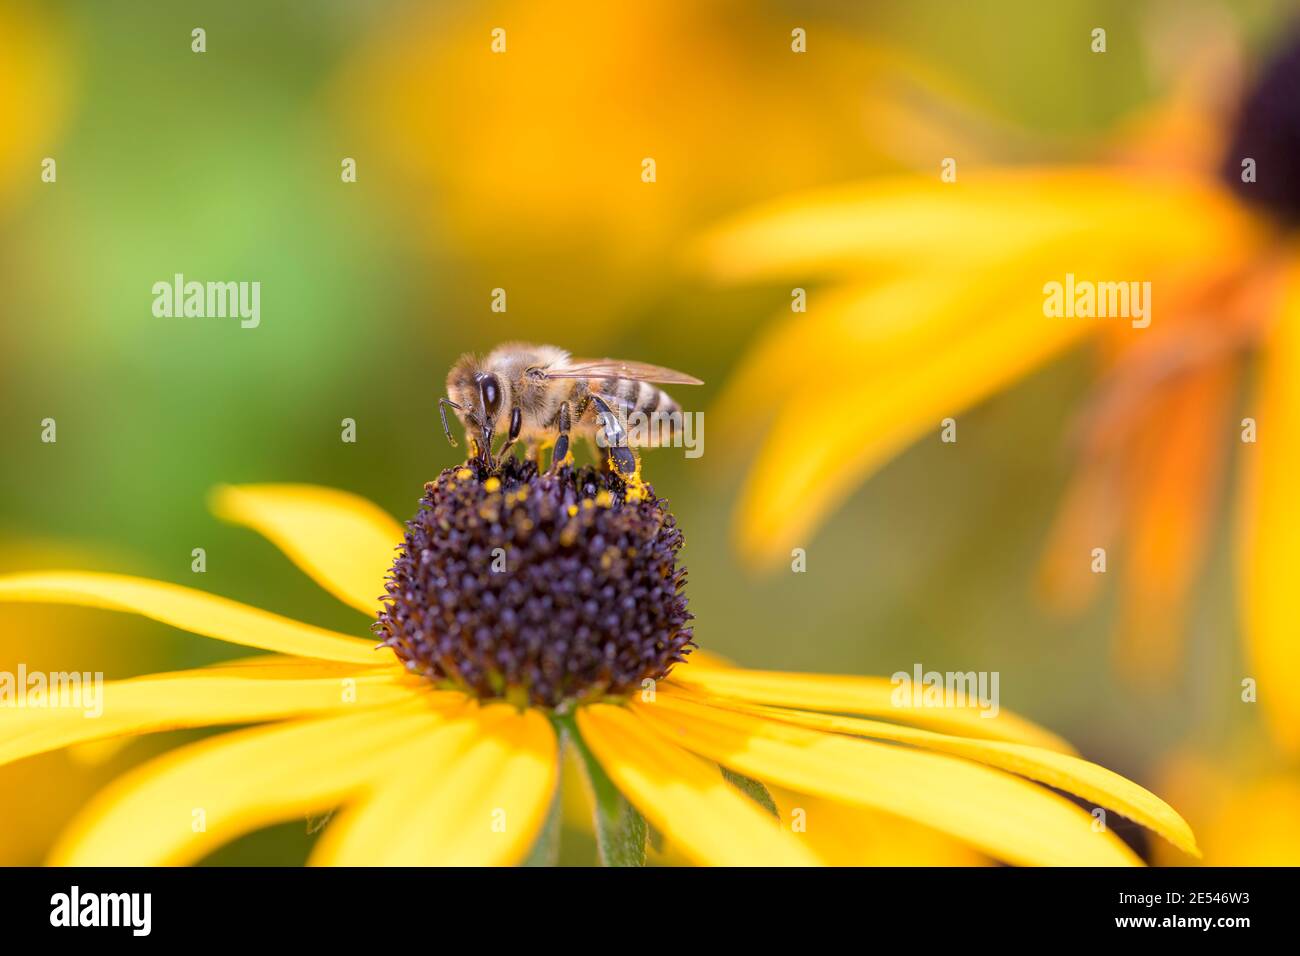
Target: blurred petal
(1174,485)
(1096,784)
(684,797)
(189,610)
(1245,809)
(1088,517)
(342,541)
(966,338)
(179,808)
(1001,814)
(1270,527)
(37,71)
(988,214)
(873,323)
(473,793)
(859,695)
(201,698)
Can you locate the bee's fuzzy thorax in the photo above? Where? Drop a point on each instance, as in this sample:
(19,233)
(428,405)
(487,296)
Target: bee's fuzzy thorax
(544,589)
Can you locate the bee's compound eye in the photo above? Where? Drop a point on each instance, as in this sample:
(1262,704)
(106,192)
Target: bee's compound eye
(490,389)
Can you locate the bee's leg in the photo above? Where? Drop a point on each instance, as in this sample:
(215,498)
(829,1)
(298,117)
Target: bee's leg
(516,422)
(560,456)
(621,458)
(442,413)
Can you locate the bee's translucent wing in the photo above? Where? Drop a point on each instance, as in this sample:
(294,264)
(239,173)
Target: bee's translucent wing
(618,368)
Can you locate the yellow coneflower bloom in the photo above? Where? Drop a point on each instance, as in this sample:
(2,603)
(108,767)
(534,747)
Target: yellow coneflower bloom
(441,745)
(939,295)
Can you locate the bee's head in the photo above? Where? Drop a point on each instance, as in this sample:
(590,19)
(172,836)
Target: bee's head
(479,397)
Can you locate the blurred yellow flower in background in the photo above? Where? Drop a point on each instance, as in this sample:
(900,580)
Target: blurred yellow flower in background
(524,149)
(1245,809)
(37,797)
(34,83)
(936,297)
(422,770)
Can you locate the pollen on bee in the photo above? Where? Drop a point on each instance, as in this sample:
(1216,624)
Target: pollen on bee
(634,486)
(604,499)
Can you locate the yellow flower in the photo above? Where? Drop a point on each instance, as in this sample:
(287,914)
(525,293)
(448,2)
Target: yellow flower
(936,296)
(454,756)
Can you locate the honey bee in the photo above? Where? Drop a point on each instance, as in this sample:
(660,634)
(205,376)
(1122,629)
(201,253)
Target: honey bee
(538,394)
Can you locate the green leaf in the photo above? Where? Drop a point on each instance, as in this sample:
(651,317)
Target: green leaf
(620,828)
(546,851)
(752,789)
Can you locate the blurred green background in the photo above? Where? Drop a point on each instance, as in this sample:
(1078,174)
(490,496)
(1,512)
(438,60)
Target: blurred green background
(519,171)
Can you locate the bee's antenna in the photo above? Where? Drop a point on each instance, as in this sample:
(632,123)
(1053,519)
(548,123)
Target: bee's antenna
(442,413)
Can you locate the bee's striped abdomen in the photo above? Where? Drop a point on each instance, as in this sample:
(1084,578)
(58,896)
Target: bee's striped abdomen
(653,415)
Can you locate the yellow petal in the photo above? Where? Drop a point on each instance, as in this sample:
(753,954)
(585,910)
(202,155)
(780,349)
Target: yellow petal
(859,695)
(179,808)
(842,834)
(1270,527)
(189,610)
(475,793)
(968,336)
(1096,784)
(684,797)
(705,658)
(988,214)
(344,542)
(1003,815)
(202,698)
(873,325)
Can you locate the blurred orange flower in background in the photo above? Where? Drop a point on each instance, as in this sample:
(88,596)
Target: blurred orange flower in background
(937,300)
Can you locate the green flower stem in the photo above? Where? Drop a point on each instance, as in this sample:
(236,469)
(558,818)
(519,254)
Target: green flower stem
(620,828)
